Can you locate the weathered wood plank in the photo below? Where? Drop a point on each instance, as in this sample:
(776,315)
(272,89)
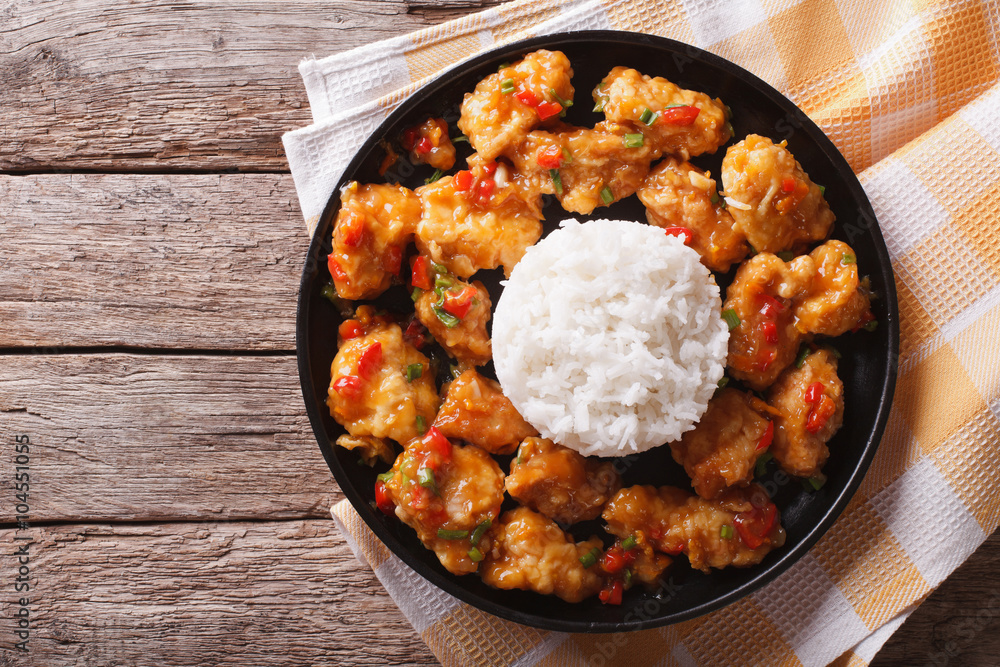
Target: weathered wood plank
(272,593)
(180,261)
(156,438)
(139,85)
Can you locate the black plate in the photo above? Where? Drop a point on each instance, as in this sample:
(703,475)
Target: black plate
(868,366)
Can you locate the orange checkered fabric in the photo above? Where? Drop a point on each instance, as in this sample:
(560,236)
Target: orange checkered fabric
(909,91)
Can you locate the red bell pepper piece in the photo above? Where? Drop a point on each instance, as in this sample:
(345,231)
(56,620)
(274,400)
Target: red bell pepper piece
(612,592)
(459,304)
(349,329)
(680,231)
(348,386)
(421,275)
(547,110)
(770,331)
(352,229)
(382,499)
(527,97)
(336,270)
(464,180)
(679,115)
(550,157)
(767,438)
(423,146)
(370,360)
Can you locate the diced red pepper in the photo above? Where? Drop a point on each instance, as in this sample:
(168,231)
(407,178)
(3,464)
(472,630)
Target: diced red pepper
(484,191)
(410,137)
(370,360)
(767,438)
(679,115)
(772,307)
(490,168)
(813,392)
(616,559)
(464,180)
(352,228)
(765,357)
(527,97)
(348,386)
(547,110)
(770,331)
(382,499)
(438,444)
(459,304)
(788,184)
(421,276)
(423,146)
(754,526)
(392,260)
(550,157)
(820,414)
(414,334)
(336,270)
(680,231)
(349,329)
(612,592)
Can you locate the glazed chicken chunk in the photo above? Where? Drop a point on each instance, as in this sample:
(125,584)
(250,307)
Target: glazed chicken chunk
(584,168)
(457,315)
(678,194)
(477,219)
(373,227)
(722,449)
(559,482)
(475,410)
(429,143)
(810,406)
(736,529)
(837,301)
(530,552)
(370,394)
(450,495)
(774,203)
(505,106)
(759,302)
(674,121)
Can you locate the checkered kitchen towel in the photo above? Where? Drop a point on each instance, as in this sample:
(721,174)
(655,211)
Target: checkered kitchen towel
(909,90)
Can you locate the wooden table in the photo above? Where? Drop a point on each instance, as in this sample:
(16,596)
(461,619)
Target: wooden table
(150,250)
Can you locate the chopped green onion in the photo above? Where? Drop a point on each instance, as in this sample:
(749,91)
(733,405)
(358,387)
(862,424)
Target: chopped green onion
(871,326)
(445,534)
(439,268)
(455,371)
(714,198)
(628,577)
(567,156)
(731,318)
(443,281)
(507,86)
(565,103)
(480,530)
(722,204)
(629,543)
(761,466)
(822,190)
(329,292)
(786,255)
(753,251)
(727,532)
(847,258)
(519,458)
(606,195)
(426,478)
(406,480)
(723,382)
(599,107)
(434,177)
(729,112)
(385,477)
(413,371)
(633,140)
(459,139)
(814,483)
(556,180)
(647,117)
(421,424)
(801,358)
(729,128)
(475,555)
(835,352)
(590,558)
(446,318)
(416,294)
(503,65)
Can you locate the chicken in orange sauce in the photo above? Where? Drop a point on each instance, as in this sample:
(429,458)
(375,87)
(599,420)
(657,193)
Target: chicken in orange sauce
(429,143)
(673,121)
(370,393)
(809,402)
(475,410)
(738,528)
(773,201)
(449,494)
(505,106)
(837,302)
(683,199)
(722,449)
(373,228)
(477,219)
(559,482)
(531,552)
(763,338)
(369,448)
(454,311)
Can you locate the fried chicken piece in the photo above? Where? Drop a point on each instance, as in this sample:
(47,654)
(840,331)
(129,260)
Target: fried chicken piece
(445,492)
(559,482)
(369,448)
(776,205)
(496,117)
(674,121)
(678,194)
(722,449)
(766,339)
(457,318)
(475,410)
(477,219)
(373,227)
(429,143)
(836,303)
(369,394)
(810,405)
(530,552)
(736,529)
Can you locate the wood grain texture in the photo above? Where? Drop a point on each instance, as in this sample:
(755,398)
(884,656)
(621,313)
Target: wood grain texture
(271,593)
(151,85)
(179,261)
(119,437)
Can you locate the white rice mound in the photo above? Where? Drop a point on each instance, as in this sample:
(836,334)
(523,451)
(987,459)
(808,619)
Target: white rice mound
(608,337)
